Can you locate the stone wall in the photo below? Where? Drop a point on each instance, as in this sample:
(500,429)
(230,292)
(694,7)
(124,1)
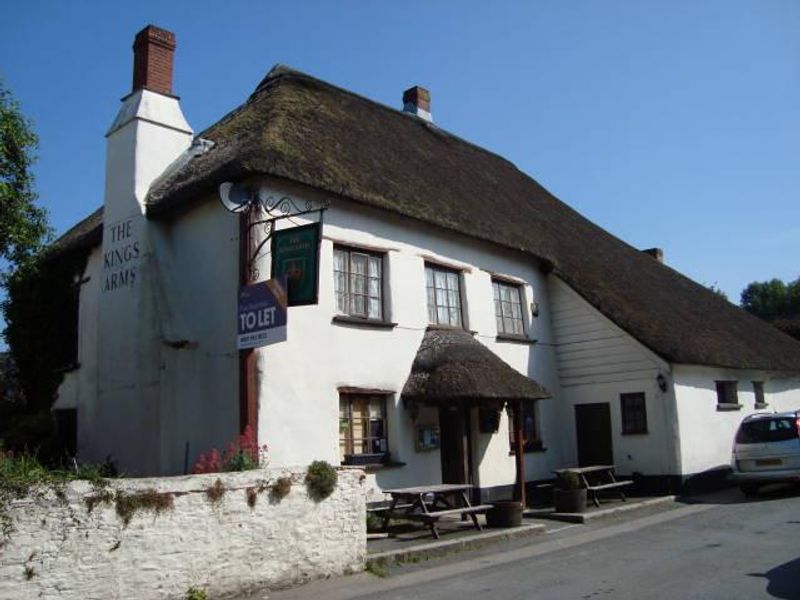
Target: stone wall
(181,532)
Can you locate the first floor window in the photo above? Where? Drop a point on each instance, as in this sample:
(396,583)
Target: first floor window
(362,427)
(634,413)
(758,390)
(508,308)
(444,295)
(727,392)
(358,282)
(531,438)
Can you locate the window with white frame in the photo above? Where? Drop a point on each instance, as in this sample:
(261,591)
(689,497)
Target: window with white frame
(358,282)
(362,427)
(444,295)
(508,308)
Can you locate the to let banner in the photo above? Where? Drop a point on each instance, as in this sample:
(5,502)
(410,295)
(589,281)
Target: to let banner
(262,314)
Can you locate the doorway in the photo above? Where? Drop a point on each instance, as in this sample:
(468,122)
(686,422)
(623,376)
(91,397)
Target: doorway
(593,429)
(454,440)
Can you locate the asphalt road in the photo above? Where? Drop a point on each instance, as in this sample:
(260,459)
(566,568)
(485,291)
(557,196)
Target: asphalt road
(720,548)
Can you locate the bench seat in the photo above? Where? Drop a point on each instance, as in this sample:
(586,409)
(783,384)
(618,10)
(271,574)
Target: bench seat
(607,486)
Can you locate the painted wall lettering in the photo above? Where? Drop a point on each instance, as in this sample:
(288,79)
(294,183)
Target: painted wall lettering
(120,256)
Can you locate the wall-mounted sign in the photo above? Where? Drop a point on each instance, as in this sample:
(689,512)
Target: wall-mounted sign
(120,255)
(427,438)
(295,255)
(262,314)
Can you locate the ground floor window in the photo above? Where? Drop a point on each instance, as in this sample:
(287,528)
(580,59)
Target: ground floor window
(758,390)
(362,428)
(531,436)
(634,413)
(727,393)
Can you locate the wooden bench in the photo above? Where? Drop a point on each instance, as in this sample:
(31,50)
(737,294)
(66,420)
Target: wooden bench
(618,485)
(430,518)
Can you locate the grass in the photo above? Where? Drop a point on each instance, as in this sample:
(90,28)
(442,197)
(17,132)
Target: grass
(377,569)
(22,474)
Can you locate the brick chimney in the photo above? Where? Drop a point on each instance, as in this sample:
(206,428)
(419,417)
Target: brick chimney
(656,253)
(417,101)
(153,51)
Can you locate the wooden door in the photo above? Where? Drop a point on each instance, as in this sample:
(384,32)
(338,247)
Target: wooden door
(593,428)
(454,445)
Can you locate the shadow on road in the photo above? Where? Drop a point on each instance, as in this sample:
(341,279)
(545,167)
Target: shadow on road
(783,580)
(768,493)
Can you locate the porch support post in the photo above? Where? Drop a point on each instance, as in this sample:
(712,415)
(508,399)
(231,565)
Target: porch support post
(520,452)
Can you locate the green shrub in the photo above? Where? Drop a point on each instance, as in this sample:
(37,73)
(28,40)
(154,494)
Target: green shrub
(321,480)
(570,480)
(196,593)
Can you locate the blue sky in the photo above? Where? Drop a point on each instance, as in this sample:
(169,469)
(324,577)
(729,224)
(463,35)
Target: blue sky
(672,124)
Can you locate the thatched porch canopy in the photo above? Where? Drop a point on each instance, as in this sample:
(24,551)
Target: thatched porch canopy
(452,367)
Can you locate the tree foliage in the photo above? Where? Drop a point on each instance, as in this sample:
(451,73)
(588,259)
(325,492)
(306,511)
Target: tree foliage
(775,301)
(23,224)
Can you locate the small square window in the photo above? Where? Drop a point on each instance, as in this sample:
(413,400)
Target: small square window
(727,393)
(508,308)
(531,438)
(443,288)
(634,413)
(358,282)
(758,391)
(362,428)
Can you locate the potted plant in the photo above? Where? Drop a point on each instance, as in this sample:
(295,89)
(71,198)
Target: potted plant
(569,495)
(504,513)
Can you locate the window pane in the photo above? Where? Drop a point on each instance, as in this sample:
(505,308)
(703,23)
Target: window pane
(375,309)
(360,306)
(440,278)
(428,276)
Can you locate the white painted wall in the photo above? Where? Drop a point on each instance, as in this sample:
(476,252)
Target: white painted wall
(598,361)
(299,399)
(228,548)
(707,433)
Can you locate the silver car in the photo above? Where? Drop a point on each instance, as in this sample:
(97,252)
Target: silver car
(766,450)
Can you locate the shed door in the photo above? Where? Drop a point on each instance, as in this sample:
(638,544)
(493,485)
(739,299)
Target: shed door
(593,428)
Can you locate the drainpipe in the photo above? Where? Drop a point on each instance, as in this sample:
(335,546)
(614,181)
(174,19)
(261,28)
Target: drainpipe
(248,401)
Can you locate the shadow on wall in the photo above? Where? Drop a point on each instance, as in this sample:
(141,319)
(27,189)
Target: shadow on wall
(783,581)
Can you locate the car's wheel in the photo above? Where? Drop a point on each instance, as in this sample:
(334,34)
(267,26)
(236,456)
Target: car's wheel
(749,489)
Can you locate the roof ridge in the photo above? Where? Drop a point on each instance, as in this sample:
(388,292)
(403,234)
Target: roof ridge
(280,71)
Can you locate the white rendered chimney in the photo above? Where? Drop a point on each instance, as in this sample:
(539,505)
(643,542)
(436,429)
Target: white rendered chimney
(149,131)
(148,134)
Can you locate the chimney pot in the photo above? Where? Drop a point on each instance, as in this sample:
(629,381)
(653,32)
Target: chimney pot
(153,51)
(417,101)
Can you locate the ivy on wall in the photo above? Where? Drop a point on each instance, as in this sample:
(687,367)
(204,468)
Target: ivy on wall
(41,313)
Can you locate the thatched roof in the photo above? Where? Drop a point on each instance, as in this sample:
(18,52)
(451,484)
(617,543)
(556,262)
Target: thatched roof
(452,367)
(86,234)
(300,128)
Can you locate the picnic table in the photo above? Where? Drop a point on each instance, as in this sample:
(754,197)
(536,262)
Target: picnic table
(428,503)
(596,479)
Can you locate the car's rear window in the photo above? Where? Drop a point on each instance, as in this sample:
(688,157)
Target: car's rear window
(767,430)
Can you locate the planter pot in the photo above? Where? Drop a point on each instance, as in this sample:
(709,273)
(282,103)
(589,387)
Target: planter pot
(569,501)
(504,513)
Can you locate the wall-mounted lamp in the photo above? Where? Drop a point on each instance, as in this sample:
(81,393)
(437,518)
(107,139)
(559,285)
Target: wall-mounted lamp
(535,308)
(662,382)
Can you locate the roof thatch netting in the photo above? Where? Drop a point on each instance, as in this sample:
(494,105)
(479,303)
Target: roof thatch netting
(305,130)
(453,367)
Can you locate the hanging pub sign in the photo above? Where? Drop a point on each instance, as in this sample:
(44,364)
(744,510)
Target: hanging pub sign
(295,255)
(262,314)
